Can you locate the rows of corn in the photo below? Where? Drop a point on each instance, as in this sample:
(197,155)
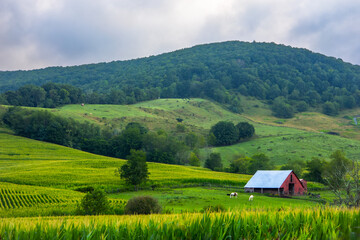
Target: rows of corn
(11,198)
(323,223)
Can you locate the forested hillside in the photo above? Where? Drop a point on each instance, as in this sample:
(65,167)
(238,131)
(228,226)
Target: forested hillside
(292,79)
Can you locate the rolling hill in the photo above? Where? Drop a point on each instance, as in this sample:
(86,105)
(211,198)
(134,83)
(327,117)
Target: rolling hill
(294,139)
(218,71)
(49,165)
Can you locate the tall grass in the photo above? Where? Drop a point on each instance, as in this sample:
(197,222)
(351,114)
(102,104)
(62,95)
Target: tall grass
(324,223)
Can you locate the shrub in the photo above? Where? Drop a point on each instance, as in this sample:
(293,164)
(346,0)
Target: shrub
(180,127)
(94,203)
(194,160)
(142,205)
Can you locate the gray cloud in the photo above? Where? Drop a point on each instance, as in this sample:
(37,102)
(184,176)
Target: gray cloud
(40,33)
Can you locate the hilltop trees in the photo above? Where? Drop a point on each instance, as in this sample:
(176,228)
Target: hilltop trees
(49,95)
(219,71)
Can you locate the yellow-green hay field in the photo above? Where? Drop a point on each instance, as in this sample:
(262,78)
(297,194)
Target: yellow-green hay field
(30,162)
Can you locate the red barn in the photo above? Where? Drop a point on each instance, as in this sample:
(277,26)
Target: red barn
(282,182)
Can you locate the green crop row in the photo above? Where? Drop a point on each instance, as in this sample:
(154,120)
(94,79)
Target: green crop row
(10,198)
(323,223)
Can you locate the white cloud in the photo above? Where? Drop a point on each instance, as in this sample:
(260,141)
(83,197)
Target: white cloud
(39,33)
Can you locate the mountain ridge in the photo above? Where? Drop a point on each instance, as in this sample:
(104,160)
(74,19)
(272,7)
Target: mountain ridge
(218,71)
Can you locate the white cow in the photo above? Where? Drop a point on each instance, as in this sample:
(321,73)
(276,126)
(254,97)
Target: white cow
(233,194)
(251,197)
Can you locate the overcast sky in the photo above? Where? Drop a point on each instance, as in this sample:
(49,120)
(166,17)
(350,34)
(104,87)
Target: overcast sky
(41,33)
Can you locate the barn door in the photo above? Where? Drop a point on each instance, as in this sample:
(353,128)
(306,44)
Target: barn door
(291,188)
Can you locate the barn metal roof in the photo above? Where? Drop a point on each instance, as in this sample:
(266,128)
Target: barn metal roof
(268,179)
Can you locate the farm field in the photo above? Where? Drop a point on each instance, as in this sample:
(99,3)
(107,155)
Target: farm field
(321,223)
(40,177)
(41,180)
(44,164)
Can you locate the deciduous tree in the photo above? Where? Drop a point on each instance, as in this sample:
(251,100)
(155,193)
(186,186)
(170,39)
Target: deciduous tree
(135,170)
(225,133)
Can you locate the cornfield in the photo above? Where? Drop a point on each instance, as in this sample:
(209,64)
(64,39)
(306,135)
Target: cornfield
(11,198)
(323,223)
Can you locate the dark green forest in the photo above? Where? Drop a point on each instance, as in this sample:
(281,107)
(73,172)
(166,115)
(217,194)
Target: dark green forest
(291,79)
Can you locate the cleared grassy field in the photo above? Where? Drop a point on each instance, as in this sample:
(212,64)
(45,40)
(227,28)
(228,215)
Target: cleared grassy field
(343,123)
(198,115)
(301,146)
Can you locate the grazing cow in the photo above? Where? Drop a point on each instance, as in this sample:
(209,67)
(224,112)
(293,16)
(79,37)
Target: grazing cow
(233,194)
(251,197)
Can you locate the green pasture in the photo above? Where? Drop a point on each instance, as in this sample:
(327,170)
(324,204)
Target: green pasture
(281,149)
(280,143)
(196,199)
(198,115)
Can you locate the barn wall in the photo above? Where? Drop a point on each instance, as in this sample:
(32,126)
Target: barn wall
(298,187)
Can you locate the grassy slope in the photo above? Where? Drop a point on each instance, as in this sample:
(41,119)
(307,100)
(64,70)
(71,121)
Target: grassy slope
(298,138)
(26,161)
(343,123)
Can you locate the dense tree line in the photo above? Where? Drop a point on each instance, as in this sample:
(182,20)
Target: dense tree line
(291,78)
(51,95)
(45,126)
(249,165)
